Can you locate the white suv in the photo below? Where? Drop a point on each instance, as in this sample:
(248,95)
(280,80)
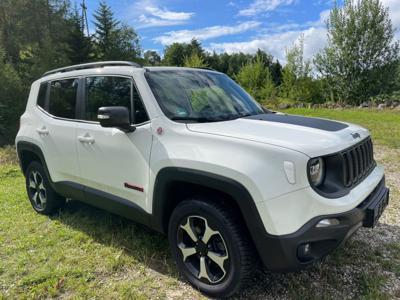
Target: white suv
(189,153)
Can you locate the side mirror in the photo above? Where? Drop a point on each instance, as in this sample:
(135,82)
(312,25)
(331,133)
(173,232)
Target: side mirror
(115,116)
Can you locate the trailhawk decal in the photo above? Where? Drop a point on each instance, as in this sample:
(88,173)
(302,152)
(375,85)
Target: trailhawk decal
(321,124)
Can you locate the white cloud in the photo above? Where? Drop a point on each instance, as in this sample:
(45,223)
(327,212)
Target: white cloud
(279,37)
(276,44)
(165,14)
(394,13)
(149,14)
(260,6)
(145,21)
(184,36)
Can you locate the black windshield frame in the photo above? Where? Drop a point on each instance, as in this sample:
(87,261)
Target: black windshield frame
(178,90)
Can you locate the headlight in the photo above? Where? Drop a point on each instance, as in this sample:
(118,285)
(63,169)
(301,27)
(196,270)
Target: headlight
(316,171)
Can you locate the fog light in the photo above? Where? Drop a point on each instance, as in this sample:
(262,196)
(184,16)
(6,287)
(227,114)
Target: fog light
(304,252)
(328,222)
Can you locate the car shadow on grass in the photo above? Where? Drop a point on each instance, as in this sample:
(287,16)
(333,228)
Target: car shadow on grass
(143,244)
(367,265)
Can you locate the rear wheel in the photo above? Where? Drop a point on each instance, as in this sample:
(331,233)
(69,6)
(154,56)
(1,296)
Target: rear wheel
(210,247)
(43,198)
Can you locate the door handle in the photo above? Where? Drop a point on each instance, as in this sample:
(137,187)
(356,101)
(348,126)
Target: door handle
(42,131)
(86,139)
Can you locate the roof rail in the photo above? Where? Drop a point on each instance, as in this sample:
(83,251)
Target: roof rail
(93,65)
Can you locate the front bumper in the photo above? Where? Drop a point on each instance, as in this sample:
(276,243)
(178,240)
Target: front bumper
(285,252)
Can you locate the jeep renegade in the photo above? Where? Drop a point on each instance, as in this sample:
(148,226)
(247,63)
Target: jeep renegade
(187,152)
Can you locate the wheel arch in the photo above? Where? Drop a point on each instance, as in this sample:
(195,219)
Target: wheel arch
(182,182)
(28,152)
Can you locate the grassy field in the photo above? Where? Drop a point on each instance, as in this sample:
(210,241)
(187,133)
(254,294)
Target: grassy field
(83,252)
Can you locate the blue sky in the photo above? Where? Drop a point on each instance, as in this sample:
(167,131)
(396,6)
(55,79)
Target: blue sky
(231,26)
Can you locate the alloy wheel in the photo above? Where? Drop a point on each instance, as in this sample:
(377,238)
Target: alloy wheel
(203,249)
(37,190)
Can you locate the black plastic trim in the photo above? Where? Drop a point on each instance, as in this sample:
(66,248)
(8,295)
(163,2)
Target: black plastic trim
(234,189)
(279,253)
(103,200)
(30,147)
(343,190)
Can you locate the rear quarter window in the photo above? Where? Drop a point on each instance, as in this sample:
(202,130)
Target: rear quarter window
(41,99)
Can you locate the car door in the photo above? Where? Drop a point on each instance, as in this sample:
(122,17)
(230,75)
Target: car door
(56,128)
(114,164)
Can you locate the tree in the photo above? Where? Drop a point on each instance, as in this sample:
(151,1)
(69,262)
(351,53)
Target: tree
(80,47)
(194,47)
(361,56)
(297,82)
(127,44)
(276,72)
(152,58)
(114,41)
(106,26)
(11,104)
(176,53)
(255,77)
(194,61)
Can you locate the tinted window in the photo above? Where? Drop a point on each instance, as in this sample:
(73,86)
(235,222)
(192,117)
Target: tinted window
(140,112)
(106,91)
(63,98)
(41,99)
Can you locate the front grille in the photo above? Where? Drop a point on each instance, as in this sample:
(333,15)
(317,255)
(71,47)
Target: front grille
(358,162)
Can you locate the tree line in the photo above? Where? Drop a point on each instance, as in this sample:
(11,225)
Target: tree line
(359,63)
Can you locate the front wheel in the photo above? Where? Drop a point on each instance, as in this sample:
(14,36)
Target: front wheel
(210,247)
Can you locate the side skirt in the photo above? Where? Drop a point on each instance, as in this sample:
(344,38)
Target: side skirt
(103,200)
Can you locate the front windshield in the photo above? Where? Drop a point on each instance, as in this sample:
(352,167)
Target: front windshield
(200,96)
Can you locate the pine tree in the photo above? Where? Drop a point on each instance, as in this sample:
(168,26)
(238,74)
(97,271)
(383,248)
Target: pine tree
(106,26)
(114,41)
(80,47)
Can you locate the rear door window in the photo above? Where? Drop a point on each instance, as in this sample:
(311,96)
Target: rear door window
(63,94)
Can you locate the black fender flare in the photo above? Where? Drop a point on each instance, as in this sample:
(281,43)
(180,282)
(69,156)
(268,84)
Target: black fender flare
(35,149)
(223,184)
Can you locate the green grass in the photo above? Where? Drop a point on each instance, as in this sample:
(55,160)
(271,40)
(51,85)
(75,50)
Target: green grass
(80,252)
(384,125)
(83,252)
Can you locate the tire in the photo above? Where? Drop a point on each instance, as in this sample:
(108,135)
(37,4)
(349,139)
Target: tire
(43,198)
(220,263)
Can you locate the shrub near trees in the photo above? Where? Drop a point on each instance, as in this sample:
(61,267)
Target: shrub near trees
(360,62)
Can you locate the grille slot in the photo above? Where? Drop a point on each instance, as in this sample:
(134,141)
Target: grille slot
(358,161)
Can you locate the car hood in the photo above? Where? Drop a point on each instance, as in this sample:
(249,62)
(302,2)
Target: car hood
(311,136)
